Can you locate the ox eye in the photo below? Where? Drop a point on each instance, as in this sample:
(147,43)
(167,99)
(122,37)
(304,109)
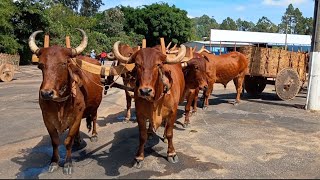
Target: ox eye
(64,64)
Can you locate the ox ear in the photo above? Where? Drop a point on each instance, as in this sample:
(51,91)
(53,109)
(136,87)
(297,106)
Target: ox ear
(206,58)
(167,80)
(163,57)
(74,74)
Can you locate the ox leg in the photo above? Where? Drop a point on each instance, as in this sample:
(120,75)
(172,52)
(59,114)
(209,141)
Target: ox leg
(128,112)
(165,139)
(190,99)
(195,101)
(171,154)
(68,167)
(150,132)
(206,95)
(94,136)
(238,84)
(138,161)
(77,139)
(54,165)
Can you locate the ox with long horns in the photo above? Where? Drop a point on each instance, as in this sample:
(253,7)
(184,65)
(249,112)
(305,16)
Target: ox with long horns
(158,91)
(67,94)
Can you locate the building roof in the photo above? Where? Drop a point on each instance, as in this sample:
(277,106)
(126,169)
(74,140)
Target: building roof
(259,37)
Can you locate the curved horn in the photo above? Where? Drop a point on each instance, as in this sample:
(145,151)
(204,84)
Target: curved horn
(179,57)
(83,44)
(118,55)
(110,56)
(32,42)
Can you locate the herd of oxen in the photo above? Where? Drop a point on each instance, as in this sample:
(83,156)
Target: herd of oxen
(159,83)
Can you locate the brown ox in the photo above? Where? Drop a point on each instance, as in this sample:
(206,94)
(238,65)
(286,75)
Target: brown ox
(67,94)
(128,77)
(158,91)
(196,79)
(224,68)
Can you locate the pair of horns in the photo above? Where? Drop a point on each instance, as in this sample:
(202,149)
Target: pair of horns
(75,51)
(169,60)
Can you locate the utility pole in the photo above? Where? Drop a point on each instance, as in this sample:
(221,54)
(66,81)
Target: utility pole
(313,95)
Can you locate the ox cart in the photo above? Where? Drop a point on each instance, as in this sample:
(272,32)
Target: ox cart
(286,69)
(8,65)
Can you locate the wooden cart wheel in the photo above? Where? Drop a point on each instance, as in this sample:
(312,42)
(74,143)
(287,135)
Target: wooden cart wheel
(254,85)
(287,84)
(6,72)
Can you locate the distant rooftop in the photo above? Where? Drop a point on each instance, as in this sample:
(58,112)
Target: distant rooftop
(218,35)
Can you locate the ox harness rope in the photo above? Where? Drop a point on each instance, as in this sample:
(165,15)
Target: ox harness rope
(167,85)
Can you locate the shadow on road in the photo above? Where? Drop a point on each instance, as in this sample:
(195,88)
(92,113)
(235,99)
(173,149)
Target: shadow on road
(36,160)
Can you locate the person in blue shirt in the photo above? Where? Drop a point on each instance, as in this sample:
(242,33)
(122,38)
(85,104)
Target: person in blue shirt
(93,54)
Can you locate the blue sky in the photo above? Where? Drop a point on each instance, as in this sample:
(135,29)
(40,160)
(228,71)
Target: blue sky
(249,10)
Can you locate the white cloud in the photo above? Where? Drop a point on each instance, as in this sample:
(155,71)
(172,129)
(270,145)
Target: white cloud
(283,2)
(240,8)
(189,16)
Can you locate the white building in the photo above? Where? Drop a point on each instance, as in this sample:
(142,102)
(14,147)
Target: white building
(227,40)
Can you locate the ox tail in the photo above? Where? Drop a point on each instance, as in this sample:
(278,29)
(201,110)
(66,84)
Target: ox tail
(89,122)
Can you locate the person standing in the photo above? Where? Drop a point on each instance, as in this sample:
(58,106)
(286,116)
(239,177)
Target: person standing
(103,56)
(93,54)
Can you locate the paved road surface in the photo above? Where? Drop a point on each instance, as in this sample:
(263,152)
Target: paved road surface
(260,138)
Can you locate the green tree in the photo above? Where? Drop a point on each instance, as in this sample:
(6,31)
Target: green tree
(244,25)
(203,26)
(28,18)
(8,41)
(62,21)
(308,26)
(82,7)
(294,22)
(90,7)
(111,22)
(228,24)
(265,25)
(159,20)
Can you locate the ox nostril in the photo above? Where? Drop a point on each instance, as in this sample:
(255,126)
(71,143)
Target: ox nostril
(47,94)
(145,91)
(205,87)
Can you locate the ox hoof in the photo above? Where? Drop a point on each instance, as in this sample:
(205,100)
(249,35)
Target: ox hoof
(138,163)
(185,125)
(173,159)
(94,138)
(204,108)
(53,167)
(126,120)
(194,113)
(235,103)
(68,168)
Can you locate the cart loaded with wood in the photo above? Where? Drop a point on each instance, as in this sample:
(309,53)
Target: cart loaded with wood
(8,65)
(284,69)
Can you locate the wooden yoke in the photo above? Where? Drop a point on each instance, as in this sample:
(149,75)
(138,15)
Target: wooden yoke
(163,46)
(191,53)
(68,44)
(46,41)
(144,43)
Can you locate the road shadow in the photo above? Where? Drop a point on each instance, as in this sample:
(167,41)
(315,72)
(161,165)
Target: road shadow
(35,161)
(112,118)
(123,148)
